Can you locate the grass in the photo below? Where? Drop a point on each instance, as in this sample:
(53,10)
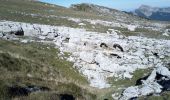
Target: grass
(164,96)
(31,12)
(21,10)
(45,55)
(129,82)
(142,32)
(38,64)
(95,28)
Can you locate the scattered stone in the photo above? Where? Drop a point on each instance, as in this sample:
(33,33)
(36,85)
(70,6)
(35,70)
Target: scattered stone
(82,24)
(24,41)
(131,27)
(42,37)
(165,34)
(29,75)
(95,63)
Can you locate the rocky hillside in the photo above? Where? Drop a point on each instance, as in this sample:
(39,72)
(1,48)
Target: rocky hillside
(77,54)
(153,13)
(104,11)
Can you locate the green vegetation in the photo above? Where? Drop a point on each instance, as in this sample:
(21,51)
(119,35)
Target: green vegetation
(82,7)
(164,96)
(95,28)
(129,82)
(41,55)
(142,32)
(38,64)
(31,11)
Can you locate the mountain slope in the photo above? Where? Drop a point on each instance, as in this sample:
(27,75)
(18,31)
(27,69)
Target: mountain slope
(104,11)
(153,13)
(98,18)
(85,52)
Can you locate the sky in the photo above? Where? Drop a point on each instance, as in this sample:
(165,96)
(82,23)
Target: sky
(125,5)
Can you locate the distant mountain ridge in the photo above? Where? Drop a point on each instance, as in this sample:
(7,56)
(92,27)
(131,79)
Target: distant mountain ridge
(153,13)
(105,11)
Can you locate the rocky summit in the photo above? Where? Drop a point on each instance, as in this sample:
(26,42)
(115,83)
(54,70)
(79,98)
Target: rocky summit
(60,54)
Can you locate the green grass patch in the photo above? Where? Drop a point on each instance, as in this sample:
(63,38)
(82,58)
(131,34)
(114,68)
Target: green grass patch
(38,64)
(129,82)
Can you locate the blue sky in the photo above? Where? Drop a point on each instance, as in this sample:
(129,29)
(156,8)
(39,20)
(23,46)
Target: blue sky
(117,4)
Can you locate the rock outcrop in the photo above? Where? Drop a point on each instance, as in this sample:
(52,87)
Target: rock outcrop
(157,82)
(95,62)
